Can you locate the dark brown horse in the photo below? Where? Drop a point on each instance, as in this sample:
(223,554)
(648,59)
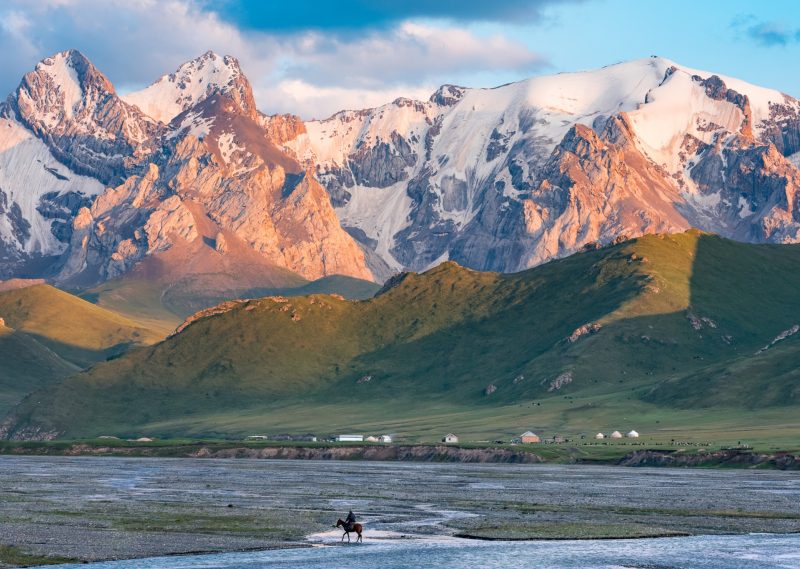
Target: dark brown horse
(358,528)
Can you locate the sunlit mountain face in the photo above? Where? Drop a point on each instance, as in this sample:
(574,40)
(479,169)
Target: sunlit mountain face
(189,172)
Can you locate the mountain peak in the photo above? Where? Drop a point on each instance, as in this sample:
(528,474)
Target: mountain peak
(75,61)
(70,57)
(59,83)
(68,103)
(58,89)
(192,83)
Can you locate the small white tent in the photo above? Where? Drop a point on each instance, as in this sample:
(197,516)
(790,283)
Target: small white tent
(616,435)
(599,436)
(633,435)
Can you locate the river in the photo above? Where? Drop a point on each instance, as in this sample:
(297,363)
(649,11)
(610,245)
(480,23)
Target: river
(700,552)
(259,513)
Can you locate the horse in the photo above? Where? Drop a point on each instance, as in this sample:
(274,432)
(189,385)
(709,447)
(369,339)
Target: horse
(358,528)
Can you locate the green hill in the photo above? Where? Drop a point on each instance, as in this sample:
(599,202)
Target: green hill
(349,287)
(26,365)
(658,334)
(48,334)
(163,305)
(77,331)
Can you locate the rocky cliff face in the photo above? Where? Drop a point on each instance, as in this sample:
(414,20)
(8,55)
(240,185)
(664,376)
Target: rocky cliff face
(206,164)
(73,108)
(503,179)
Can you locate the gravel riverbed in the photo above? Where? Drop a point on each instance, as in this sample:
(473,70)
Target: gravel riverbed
(91,508)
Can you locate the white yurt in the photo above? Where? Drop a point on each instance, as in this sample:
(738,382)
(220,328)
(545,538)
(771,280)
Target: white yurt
(616,435)
(633,435)
(599,436)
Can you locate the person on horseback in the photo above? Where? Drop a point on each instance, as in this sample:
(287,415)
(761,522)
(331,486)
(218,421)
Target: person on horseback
(350,524)
(350,520)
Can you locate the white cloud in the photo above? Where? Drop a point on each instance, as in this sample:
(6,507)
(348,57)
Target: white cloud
(308,73)
(411,52)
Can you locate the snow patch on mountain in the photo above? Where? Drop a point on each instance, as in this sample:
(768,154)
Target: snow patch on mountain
(676,108)
(64,76)
(190,84)
(28,171)
(193,124)
(381,213)
(227,146)
(745,210)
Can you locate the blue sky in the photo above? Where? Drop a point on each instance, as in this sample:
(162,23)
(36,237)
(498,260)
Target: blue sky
(313,58)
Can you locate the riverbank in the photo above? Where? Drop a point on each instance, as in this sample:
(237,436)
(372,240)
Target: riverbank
(617,455)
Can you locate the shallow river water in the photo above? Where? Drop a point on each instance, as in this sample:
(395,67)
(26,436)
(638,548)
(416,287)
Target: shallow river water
(703,552)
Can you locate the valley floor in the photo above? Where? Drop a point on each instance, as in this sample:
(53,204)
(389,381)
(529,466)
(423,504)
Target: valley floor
(92,508)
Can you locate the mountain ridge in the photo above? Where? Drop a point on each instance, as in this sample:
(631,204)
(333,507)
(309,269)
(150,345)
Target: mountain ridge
(497,179)
(462,178)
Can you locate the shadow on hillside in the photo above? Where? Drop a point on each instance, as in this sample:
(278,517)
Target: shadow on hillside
(80,356)
(26,365)
(737,298)
(742,297)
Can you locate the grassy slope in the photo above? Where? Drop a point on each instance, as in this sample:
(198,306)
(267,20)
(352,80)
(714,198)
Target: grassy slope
(49,334)
(433,343)
(163,307)
(138,299)
(77,331)
(26,365)
(349,287)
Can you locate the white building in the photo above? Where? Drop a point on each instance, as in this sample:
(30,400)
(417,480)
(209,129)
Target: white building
(633,435)
(599,436)
(350,438)
(257,438)
(386,438)
(616,435)
(371,439)
(450,438)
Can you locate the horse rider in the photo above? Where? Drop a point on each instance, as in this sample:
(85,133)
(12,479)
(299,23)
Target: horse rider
(350,520)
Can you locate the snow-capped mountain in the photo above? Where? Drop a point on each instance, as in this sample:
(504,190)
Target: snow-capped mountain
(188,172)
(69,104)
(193,82)
(210,184)
(509,177)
